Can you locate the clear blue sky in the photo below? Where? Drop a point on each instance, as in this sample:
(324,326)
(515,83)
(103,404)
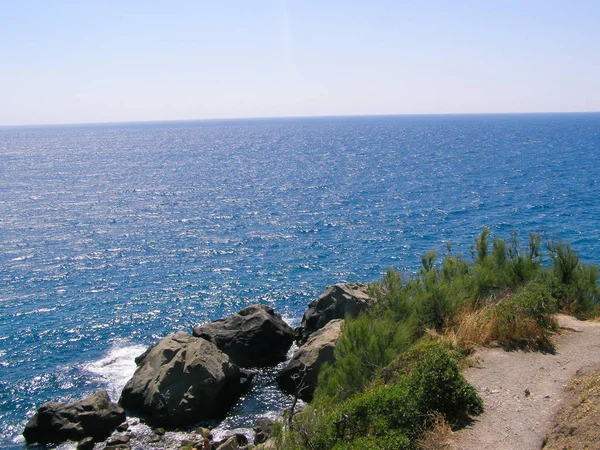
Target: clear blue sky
(105,61)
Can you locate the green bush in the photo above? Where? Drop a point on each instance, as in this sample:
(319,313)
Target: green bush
(366,346)
(437,385)
(392,440)
(525,320)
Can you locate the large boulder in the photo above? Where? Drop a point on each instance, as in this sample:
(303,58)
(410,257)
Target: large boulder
(301,374)
(94,416)
(255,336)
(337,302)
(182,380)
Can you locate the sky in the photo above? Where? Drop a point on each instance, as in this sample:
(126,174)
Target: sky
(146,60)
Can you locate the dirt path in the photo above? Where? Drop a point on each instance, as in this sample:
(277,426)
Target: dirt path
(513,419)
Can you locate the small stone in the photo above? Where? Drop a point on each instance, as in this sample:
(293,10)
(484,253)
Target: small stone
(159,431)
(86,444)
(118,447)
(118,440)
(527,393)
(123,427)
(204,432)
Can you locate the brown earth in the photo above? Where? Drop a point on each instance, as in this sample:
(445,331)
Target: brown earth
(576,424)
(524,391)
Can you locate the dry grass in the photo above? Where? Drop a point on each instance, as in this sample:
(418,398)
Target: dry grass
(496,325)
(437,434)
(577,421)
(472,327)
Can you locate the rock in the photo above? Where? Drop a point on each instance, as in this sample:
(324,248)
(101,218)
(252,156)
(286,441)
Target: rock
(269,444)
(85,444)
(182,380)
(204,432)
(94,416)
(262,429)
(123,427)
(336,302)
(118,440)
(159,431)
(255,336)
(302,372)
(118,447)
(229,444)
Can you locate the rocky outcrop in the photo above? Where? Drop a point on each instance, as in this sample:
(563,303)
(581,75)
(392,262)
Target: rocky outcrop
(337,302)
(182,380)
(263,429)
(300,376)
(94,416)
(255,336)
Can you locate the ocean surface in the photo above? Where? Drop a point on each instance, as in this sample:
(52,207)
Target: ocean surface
(113,236)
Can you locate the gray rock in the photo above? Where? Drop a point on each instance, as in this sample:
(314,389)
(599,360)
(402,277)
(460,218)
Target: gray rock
(182,380)
(301,374)
(85,444)
(263,428)
(337,302)
(229,444)
(118,447)
(269,444)
(94,416)
(255,336)
(118,440)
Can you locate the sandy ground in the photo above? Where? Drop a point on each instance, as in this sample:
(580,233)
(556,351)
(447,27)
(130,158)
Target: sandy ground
(523,391)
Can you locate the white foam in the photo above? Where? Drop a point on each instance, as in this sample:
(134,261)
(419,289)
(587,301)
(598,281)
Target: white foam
(116,368)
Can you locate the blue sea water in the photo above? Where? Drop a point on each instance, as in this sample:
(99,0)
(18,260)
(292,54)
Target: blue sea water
(113,236)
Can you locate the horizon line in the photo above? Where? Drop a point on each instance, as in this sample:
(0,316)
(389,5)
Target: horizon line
(263,118)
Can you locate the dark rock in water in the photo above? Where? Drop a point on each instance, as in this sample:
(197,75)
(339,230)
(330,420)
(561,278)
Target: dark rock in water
(263,428)
(118,440)
(337,302)
(255,336)
(123,427)
(118,447)
(85,444)
(94,416)
(182,380)
(301,374)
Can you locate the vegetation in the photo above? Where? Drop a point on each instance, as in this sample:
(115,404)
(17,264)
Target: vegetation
(397,366)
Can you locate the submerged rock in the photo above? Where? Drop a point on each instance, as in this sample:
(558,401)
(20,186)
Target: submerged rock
(301,374)
(94,416)
(337,302)
(255,336)
(182,380)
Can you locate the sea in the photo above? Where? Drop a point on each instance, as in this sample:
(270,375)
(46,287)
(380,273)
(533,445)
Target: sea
(113,236)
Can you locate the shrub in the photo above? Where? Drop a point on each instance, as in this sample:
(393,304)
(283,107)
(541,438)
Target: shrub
(437,385)
(392,440)
(365,347)
(525,320)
